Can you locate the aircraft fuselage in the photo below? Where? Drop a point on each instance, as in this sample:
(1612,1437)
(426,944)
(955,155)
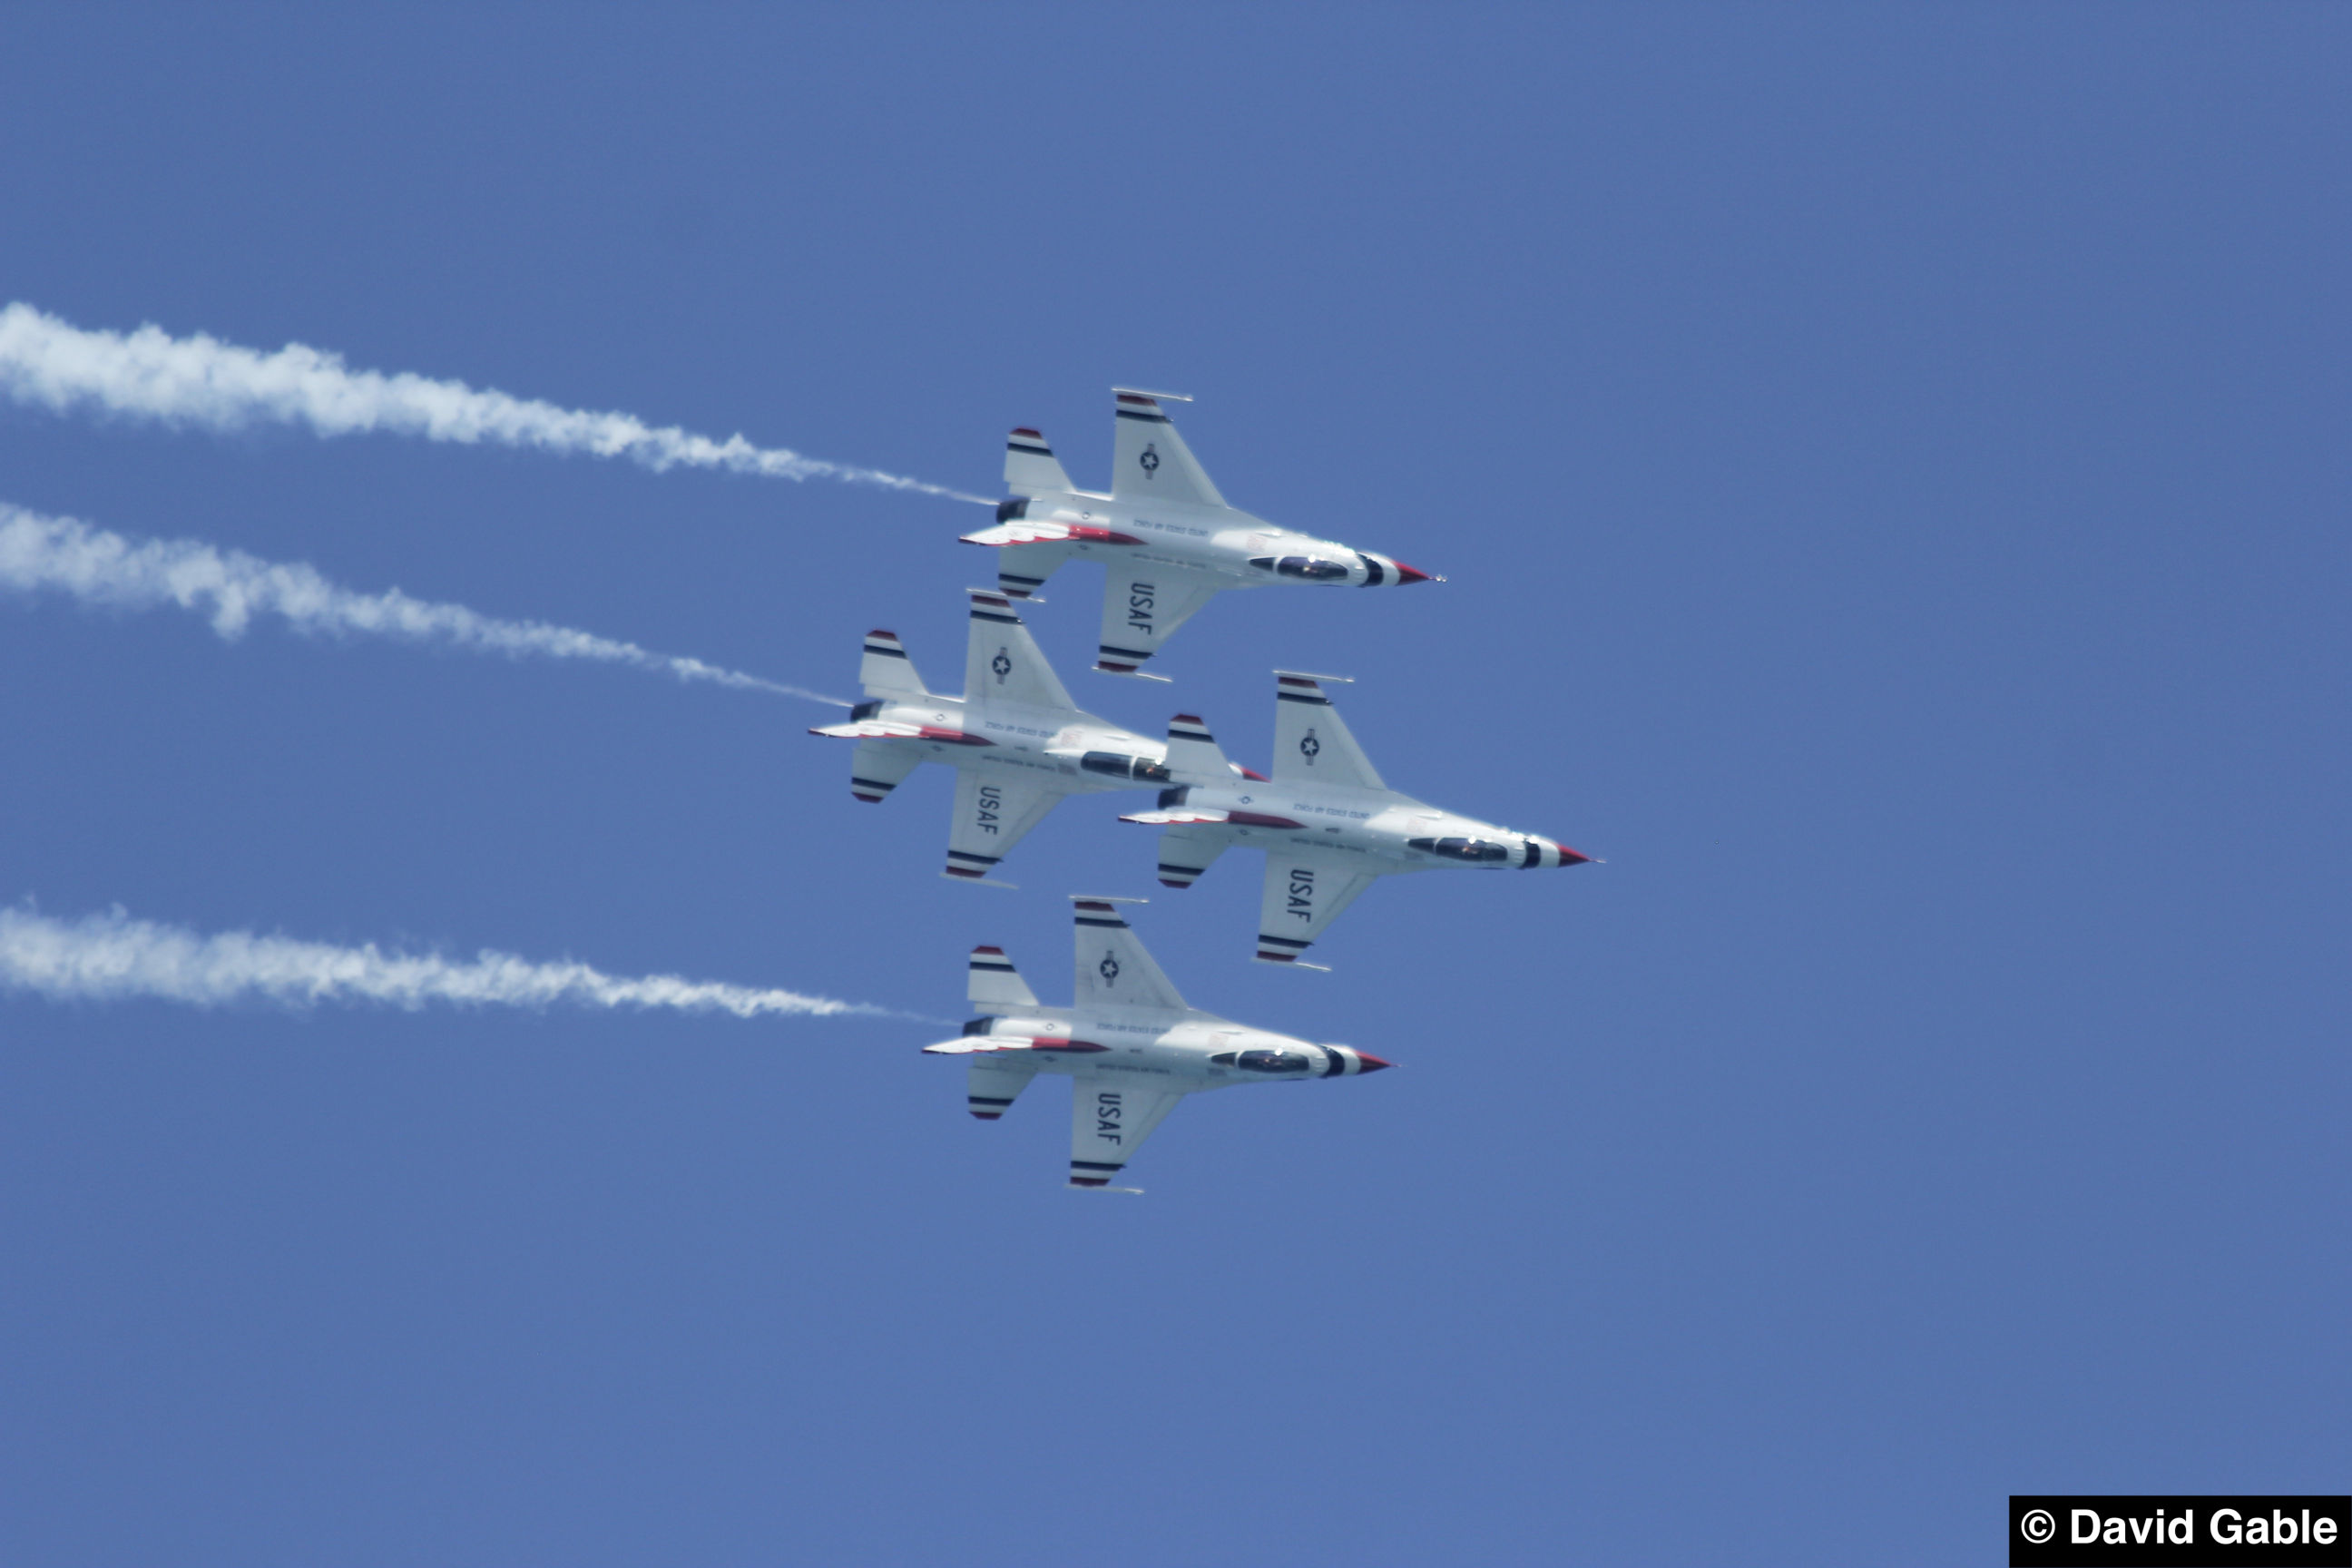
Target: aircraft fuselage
(1399,833)
(1222,540)
(1175,1050)
(1081,753)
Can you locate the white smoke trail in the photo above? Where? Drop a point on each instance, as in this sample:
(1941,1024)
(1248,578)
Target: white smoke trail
(202,381)
(65,556)
(112,957)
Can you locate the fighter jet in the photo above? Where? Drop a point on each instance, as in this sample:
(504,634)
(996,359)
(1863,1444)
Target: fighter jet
(1016,741)
(1327,822)
(1130,1044)
(1166,538)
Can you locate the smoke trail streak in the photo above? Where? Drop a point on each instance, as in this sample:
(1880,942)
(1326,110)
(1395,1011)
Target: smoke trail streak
(112,957)
(65,556)
(200,381)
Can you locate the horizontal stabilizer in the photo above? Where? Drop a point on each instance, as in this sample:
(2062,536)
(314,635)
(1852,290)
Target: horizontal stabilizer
(1194,754)
(877,767)
(1184,854)
(886,670)
(1023,569)
(992,1086)
(1030,467)
(996,987)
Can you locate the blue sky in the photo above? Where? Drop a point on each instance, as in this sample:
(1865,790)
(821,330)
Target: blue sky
(1890,467)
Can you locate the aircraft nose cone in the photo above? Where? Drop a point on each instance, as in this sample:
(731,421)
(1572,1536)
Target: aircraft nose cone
(1571,857)
(1411,574)
(1371,1063)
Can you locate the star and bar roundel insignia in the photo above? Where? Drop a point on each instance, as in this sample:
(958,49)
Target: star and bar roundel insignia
(1108,968)
(1151,459)
(1308,745)
(1002,664)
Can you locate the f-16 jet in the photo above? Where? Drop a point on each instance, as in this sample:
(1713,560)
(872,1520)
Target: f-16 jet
(1016,741)
(1167,540)
(1130,1045)
(1327,822)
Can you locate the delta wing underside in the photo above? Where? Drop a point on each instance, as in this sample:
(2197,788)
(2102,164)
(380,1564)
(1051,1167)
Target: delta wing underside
(994,810)
(1304,894)
(1109,1119)
(1114,970)
(1142,607)
(1003,662)
(1311,743)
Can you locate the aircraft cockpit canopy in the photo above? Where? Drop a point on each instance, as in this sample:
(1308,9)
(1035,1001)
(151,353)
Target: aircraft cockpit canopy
(1264,1060)
(1306,568)
(1118,765)
(1469,851)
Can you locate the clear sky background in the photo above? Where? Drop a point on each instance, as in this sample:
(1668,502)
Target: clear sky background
(1890,466)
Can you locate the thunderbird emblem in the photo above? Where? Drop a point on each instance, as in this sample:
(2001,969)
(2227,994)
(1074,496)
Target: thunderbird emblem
(1150,460)
(1108,968)
(1309,746)
(1002,664)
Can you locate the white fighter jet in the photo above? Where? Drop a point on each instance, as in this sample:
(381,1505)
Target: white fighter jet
(1166,538)
(1016,741)
(1327,822)
(1130,1045)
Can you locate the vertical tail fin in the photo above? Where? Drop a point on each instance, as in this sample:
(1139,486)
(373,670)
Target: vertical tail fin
(886,670)
(996,986)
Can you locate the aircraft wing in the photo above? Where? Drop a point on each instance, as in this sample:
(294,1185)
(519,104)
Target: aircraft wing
(1110,1116)
(1114,970)
(1311,741)
(1142,607)
(1304,892)
(1152,463)
(993,812)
